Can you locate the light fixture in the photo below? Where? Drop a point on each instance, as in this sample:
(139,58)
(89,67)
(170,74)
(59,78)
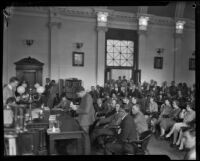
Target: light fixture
(143,23)
(32,96)
(160,50)
(79,45)
(28,42)
(102,18)
(180,27)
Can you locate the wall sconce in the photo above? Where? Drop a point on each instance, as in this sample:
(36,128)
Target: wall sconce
(193,54)
(143,22)
(28,42)
(102,18)
(160,50)
(180,27)
(79,45)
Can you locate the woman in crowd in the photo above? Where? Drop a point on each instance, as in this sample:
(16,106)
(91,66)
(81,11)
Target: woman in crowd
(167,123)
(181,99)
(165,112)
(188,115)
(181,139)
(152,113)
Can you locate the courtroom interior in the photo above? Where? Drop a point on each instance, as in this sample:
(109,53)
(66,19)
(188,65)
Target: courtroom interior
(99,80)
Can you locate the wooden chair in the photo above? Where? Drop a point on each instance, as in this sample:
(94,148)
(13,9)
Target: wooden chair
(142,143)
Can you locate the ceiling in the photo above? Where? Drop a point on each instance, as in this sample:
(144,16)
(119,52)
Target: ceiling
(165,11)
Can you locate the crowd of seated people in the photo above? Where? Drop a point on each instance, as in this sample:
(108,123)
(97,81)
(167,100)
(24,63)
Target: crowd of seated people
(163,109)
(125,110)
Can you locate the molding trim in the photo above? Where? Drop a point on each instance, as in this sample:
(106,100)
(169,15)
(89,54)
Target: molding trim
(180,6)
(90,12)
(143,9)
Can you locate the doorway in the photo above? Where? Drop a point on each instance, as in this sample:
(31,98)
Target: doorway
(30,77)
(30,70)
(121,57)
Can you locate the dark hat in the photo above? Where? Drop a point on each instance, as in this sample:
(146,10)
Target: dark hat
(80,89)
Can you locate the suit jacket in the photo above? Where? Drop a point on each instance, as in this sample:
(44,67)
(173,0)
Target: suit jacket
(134,93)
(175,113)
(114,119)
(128,106)
(128,128)
(7,92)
(141,123)
(165,110)
(86,111)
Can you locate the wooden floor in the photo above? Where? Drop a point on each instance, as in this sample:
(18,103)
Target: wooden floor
(162,147)
(158,147)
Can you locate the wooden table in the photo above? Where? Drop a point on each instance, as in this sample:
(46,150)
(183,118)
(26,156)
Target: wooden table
(62,136)
(11,135)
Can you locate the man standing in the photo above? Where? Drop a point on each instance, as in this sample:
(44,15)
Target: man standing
(86,116)
(53,90)
(9,90)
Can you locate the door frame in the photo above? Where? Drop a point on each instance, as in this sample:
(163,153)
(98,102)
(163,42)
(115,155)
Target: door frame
(136,73)
(30,65)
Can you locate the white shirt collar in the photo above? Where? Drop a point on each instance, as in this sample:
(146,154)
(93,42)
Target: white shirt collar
(9,86)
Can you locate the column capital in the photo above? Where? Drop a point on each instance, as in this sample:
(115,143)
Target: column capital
(101,28)
(57,24)
(141,32)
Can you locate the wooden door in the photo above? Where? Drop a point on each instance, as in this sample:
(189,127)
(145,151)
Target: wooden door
(30,77)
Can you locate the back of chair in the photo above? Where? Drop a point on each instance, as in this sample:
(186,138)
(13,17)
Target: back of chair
(145,135)
(146,139)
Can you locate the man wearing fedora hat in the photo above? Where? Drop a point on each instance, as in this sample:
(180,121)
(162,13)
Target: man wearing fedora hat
(86,116)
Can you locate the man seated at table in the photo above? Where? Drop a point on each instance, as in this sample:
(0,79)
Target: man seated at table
(100,108)
(126,134)
(64,104)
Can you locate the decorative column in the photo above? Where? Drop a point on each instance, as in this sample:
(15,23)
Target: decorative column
(178,34)
(53,55)
(142,33)
(6,18)
(100,57)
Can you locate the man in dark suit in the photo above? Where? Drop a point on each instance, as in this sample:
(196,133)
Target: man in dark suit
(133,92)
(127,133)
(9,90)
(86,116)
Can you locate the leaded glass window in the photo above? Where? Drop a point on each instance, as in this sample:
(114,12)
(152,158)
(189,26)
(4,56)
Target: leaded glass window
(120,53)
